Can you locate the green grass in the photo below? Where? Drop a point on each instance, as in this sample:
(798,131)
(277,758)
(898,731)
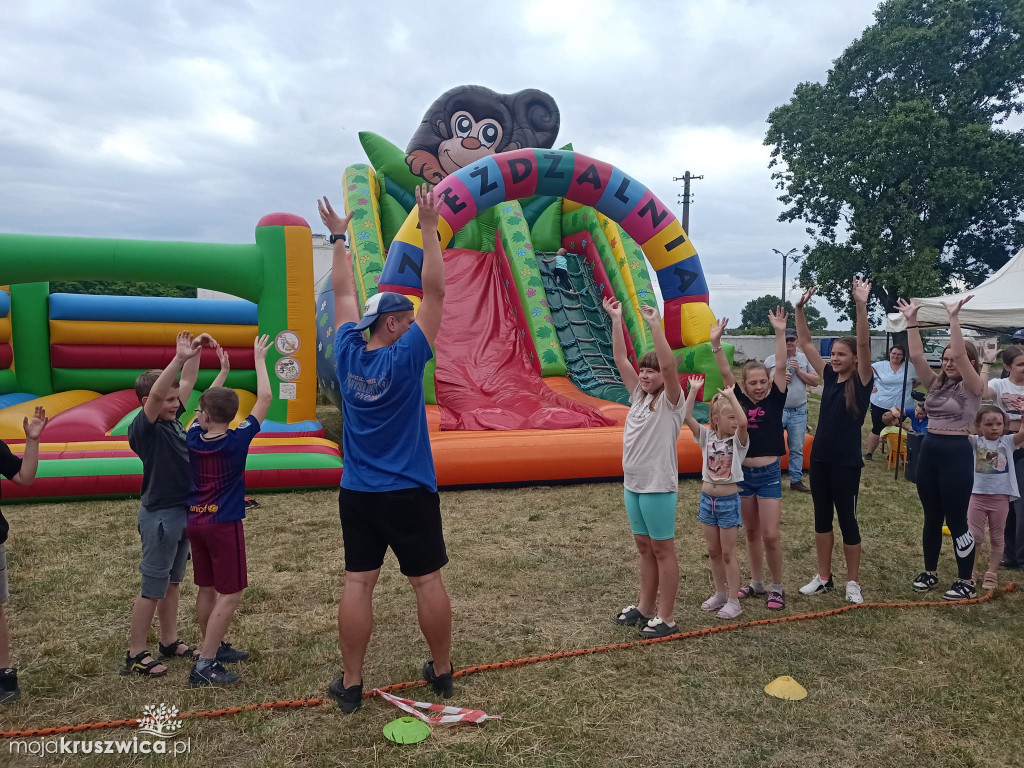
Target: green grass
(533,570)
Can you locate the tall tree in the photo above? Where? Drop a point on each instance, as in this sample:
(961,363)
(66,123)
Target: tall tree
(755,314)
(900,163)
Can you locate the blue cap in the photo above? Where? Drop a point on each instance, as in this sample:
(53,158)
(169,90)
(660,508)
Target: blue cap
(381,304)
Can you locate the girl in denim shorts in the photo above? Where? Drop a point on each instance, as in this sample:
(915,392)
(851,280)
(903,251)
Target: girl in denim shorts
(763,399)
(723,444)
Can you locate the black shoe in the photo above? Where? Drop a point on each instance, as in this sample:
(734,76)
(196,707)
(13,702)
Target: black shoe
(9,691)
(1010,565)
(799,487)
(349,699)
(961,590)
(925,581)
(228,655)
(869,457)
(214,675)
(442,684)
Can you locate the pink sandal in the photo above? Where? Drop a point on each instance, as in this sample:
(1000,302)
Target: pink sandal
(776,601)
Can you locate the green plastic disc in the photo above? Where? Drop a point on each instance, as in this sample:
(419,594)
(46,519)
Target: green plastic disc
(406,730)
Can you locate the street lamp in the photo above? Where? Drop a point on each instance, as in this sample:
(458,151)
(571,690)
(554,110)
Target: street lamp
(785,257)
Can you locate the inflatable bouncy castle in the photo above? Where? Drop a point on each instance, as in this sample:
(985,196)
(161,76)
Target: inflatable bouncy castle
(78,355)
(522,387)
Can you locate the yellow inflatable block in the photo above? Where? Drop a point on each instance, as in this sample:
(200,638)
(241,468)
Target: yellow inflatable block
(12,418)
(570,205)
(5,329)
(155,334)
(787,688)
(122,445)
(410,231)
(695,321)
(656,248)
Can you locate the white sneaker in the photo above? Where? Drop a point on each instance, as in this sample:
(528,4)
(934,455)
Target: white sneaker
(853,594)
(817,586)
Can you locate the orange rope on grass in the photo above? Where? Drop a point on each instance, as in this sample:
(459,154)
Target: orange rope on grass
(301,703)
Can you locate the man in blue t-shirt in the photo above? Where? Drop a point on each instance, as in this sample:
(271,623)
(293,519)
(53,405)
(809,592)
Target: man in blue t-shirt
(388,495)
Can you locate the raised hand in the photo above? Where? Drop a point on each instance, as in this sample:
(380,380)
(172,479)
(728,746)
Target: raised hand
(861,290)
(651,314)
(804,300)
(612,307)
(429,208)
(185,347)
(989,352)
(778,318)
(728,391)
(225,359)
(260,347)
(953,307)
(34,428)
(204,340)
(335,222)
(908,309)
(717,330)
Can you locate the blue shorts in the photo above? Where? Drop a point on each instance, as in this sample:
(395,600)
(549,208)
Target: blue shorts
(764,482)
(651,514)
(720,511)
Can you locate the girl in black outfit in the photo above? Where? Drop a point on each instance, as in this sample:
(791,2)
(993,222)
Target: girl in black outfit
(836,458)
(945,469)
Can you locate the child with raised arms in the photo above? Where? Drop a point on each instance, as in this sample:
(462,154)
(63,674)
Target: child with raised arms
(724,443)
(650,470)
(763,399)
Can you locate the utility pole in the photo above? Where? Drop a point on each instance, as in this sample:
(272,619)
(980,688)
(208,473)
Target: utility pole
(785,257)
(684,198)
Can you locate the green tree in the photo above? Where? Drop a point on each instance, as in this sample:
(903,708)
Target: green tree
(900,164)
(755,314)
(122,288)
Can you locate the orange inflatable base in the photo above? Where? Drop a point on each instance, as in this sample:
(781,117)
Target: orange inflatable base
(542,456)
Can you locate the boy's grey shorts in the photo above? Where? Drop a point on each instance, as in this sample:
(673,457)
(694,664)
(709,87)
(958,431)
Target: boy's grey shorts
(165,549)
(4,594)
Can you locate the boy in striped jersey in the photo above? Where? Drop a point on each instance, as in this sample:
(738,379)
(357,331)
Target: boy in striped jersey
(217,456)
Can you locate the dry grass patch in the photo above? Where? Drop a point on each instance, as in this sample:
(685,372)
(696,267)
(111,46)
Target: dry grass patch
(533,570)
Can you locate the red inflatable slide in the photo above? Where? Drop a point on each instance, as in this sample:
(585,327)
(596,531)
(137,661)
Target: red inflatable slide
(485,378)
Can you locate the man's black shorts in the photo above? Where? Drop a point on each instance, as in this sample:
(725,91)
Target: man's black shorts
(408,521)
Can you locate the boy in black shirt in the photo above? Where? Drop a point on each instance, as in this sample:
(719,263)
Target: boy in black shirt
(21,471)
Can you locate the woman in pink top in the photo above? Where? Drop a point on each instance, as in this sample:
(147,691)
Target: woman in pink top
(945,469)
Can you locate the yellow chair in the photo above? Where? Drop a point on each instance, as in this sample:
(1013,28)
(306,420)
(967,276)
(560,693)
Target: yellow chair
(892,438)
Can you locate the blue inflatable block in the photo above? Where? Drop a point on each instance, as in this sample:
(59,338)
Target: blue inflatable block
(621,196)
(298,426)
(485,183)
(684,278)
(15,398)
(403,266)
(151,309)
(5,304)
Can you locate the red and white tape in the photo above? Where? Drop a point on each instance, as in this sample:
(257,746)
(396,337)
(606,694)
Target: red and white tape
(447,714)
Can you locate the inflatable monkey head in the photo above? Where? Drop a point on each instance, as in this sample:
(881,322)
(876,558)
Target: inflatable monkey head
(470,122)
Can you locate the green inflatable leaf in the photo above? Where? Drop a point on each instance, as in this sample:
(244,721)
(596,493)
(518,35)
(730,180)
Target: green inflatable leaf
(388,159)
(549,357)
(543,332)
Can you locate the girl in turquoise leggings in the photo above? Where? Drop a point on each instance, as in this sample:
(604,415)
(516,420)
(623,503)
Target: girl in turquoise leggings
(650,471)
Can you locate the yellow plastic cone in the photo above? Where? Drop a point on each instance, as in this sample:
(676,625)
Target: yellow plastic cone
(787,688)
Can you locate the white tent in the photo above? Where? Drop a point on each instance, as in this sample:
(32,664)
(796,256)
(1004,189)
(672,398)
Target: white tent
(997,303)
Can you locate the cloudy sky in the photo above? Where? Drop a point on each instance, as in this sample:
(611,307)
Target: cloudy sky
(187,120)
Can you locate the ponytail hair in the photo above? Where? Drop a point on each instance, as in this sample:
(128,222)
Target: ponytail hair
(850,389)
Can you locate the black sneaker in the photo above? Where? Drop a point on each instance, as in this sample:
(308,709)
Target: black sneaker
(925,581)
(228,655)
(349,699)
(9,691)
(214,675)
(442,684)
(869,457)
(961,590)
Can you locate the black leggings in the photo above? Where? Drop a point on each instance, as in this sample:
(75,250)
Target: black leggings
(834,490)
(945,479)
(877,425)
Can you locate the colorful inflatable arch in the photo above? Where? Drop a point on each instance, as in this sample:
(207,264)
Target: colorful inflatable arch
(581,179)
